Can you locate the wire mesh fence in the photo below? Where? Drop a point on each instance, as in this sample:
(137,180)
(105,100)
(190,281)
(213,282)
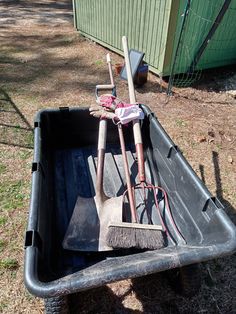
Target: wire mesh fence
(206,38)
(180,38)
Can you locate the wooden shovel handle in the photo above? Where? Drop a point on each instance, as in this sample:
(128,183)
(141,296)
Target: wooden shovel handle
(102,135)
(136,125)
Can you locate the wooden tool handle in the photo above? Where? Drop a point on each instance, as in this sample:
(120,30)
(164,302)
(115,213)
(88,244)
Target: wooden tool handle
(105,87)
(136,125)
(102,136)
(110,69)
(124,156)
(127,175)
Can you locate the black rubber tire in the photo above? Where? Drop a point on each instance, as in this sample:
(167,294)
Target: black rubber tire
(57,305)
(186,280)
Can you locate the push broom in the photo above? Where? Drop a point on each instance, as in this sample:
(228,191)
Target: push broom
(132,234)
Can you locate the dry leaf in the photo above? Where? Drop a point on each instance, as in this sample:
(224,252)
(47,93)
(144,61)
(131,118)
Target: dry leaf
(211,133)
(202,139)
(230,159)
(229,139)
(221,132)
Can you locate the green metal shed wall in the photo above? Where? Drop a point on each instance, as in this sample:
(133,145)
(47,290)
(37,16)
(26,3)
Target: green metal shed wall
(221,49)
(153,26)
(144,22)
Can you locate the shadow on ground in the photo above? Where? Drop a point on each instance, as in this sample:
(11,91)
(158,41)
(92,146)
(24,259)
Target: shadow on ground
(53,62)
(152,292)
(43,61)
(229,209)
(217,79)
(220,82)
(15,12)
(15,130)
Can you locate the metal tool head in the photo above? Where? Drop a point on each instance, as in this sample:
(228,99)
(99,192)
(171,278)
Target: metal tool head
(88,227)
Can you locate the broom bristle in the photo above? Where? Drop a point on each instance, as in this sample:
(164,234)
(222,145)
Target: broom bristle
(123,237)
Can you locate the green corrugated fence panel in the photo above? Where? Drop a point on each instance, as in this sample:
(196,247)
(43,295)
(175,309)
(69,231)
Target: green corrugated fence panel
(152,26)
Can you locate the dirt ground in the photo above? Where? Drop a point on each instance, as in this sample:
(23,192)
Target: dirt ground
(45,63)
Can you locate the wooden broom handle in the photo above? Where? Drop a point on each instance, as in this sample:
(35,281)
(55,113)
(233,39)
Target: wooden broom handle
(136,125)
(124,156)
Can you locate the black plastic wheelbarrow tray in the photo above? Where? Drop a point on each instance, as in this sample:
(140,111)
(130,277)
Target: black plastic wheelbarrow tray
(64,167)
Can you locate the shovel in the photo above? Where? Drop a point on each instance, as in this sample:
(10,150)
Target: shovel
(88,227)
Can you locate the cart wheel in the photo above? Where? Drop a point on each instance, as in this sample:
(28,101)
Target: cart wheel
(186,280)
(56,305)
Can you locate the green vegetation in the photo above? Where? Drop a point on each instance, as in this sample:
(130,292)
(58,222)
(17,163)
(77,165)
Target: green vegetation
(2,168)
(2,245)
(3,220)
(9,264)
(29,139)
(3,305)
(98,63)
(25,154)
(181,123)
(11,195)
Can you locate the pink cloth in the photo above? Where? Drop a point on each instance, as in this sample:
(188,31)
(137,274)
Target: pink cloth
(107,101)
(123,105)
(125,112)
(129,113)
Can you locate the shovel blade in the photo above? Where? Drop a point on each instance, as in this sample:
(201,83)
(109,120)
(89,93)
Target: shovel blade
(89,223)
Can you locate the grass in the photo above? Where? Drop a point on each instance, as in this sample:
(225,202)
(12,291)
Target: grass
(98,63)
(3,220)
(181,123)
(3,305)
(16,136)
(9,264)
(2,168)
(25,154)
(12,195)
(193,144)
(30,139)
(2,245)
